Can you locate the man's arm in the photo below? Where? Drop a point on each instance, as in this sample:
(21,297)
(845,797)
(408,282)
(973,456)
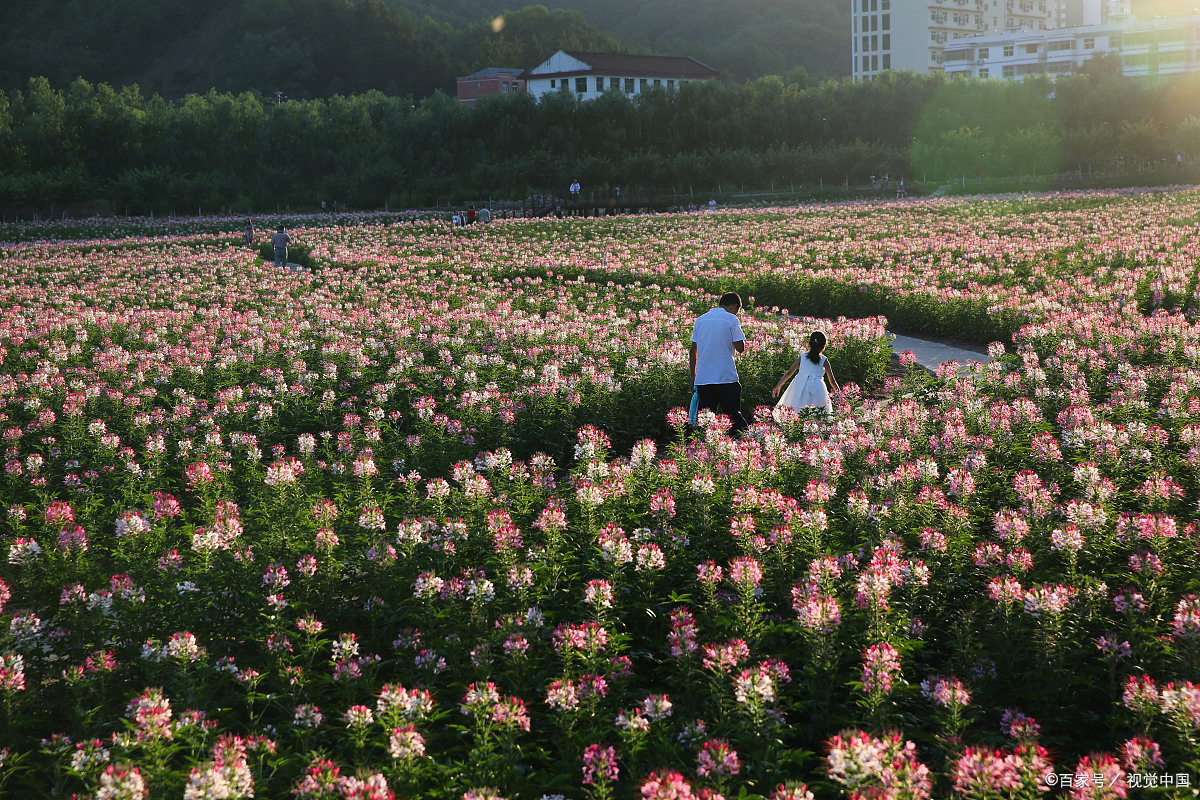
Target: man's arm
(692,362)
(740,346)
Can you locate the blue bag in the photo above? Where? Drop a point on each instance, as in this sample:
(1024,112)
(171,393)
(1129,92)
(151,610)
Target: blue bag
(694,411)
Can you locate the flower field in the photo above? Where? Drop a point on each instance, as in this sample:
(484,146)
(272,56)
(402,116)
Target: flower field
(427,521)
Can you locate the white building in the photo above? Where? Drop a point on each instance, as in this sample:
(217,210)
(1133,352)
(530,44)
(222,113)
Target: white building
(1165,47)
(912,34)
(589,75)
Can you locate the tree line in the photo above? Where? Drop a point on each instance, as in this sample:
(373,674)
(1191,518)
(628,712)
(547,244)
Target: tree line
(248,152)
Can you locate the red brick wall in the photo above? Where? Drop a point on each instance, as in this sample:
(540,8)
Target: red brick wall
(471,89)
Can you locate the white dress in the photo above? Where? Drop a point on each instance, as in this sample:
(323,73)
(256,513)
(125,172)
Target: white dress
(808,388)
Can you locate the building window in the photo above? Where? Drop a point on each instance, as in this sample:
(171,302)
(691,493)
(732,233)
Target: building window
(657,82)
(1089,44)
(642,83)
(874,42)
(1030,49)
(866,43)
(887,61)
(887,22)
(1009,71)
(887,41)
(885,5)
(581,85)
(874,62)
(552,83)
(629,86)
(505,87)
(1057,47)
(983,52)
(1008,50)
(670,84)
(874,23)
(983,72)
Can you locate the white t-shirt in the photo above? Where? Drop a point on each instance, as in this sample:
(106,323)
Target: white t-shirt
(714,334)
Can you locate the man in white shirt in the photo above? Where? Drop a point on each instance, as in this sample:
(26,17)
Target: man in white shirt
(716,335)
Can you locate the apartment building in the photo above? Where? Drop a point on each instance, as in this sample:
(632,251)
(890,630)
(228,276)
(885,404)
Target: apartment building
(913,34)
(1161,47)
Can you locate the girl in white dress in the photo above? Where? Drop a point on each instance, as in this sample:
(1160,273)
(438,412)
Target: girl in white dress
(810,369)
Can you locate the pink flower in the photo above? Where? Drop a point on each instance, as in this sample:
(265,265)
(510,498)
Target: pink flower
(1141,755)
(1187,617)
(1098,776)
(717,758)
(599,765)
(984,772)
(1019,727)
(745,573)
(946,692)
(682,638)
(666,785)
(59,513)
(881,667)
(1140,694)
(709,573)
(406,743)
(816,613)
(886,766)
(122,781)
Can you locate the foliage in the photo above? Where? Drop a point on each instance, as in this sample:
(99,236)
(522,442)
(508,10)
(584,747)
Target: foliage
(92,142)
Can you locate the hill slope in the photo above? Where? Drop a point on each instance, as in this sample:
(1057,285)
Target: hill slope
(303,48)
(310,48)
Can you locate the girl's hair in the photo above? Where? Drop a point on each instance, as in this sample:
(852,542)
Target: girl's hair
(816,343)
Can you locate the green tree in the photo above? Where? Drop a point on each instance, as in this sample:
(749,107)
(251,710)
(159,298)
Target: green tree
(1036,150)
(1142,141)
(1187,137)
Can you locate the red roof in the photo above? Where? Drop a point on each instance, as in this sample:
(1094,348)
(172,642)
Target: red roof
(652,66)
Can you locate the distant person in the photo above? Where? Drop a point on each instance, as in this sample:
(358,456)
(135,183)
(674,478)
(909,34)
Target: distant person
(617,189)
(484,216)
(322,206)
(457,220)
(712,205)
(811,370)
(335,206)
(716,336)
(900,190)
(1178,161)
(249,233)
(280,242)
(472,215)
(575,189)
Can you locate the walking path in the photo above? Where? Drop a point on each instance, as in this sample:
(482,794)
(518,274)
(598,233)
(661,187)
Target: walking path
(932,355)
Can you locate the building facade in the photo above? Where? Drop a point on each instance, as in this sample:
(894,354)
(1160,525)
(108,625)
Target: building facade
(913,34)
(589,75)
(493,80)
(1161,47)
